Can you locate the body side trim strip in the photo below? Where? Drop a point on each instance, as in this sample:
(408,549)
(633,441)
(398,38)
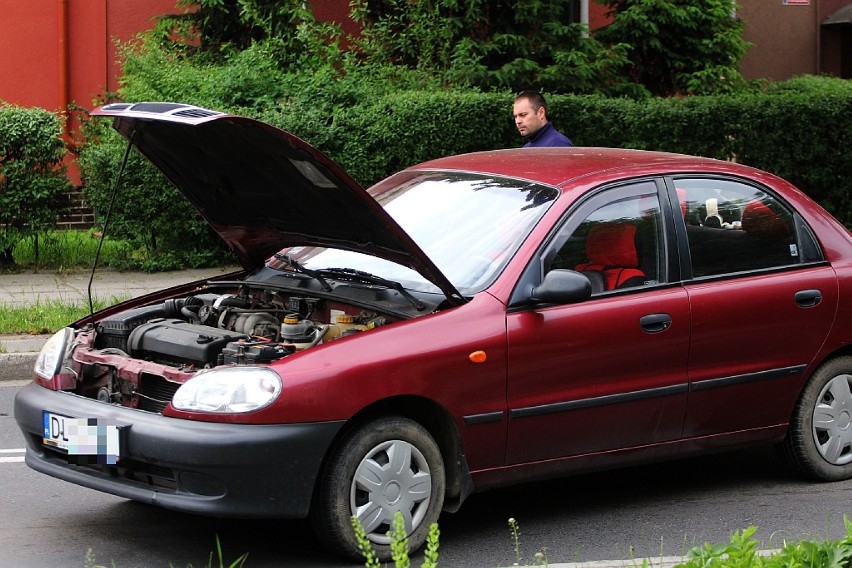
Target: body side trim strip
(485,418)
(747,378)
(597,401)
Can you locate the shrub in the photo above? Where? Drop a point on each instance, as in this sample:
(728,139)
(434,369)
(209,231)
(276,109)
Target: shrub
(33,181)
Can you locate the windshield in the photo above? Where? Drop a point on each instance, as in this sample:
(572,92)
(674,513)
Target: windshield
(469,225)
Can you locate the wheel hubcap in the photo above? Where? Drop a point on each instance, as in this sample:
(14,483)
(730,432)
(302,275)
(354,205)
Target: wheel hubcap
(832,419)
(392,492)
(393,477)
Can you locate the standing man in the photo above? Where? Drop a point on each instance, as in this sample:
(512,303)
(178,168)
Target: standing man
(530,112)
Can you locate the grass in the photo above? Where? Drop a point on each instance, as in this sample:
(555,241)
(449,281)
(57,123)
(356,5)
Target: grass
(58,251)
(68,250)
(62,252)
(45,317)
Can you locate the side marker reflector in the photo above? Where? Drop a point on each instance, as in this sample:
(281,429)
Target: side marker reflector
(477,357)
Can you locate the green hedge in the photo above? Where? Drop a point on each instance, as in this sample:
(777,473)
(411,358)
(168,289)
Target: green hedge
(803,135)
(801,132)
(379,137)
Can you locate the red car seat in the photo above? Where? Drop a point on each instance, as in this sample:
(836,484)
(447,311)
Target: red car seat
(611,252)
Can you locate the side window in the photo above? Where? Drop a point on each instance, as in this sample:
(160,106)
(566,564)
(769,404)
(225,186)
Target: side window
(616,243)
(734,227)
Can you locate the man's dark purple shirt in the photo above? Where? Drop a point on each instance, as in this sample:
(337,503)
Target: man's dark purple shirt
(548,136)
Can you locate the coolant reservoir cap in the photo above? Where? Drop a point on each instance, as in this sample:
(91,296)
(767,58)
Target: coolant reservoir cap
(345,318)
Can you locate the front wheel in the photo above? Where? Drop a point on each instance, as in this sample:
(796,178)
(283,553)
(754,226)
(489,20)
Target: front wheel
(383,467)
(819,440)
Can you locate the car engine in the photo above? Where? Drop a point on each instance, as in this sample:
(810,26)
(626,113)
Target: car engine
(140,357)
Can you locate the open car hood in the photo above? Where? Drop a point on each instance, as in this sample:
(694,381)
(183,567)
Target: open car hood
(263,189)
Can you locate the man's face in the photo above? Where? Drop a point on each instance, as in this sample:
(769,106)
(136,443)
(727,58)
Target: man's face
(528,120)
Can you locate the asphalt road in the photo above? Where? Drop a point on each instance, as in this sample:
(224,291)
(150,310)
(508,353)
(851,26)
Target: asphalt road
(643,512)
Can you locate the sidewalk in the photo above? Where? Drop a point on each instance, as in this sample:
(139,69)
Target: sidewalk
(18,352)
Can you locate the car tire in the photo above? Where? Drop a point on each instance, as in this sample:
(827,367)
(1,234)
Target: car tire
(819,440)
(384,466)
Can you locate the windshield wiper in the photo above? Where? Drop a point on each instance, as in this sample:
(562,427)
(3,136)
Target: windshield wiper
(298,267)
(353,275)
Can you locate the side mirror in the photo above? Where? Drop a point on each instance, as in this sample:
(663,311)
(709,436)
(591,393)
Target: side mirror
(562,287)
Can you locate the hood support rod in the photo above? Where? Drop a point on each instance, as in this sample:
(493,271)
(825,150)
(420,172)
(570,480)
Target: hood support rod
(106,223)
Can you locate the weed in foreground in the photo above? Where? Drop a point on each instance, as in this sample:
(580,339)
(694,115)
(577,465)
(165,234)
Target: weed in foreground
(743,552)
(399,545)
(540,557)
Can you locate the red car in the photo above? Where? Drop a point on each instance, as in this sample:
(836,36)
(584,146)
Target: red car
(470,322)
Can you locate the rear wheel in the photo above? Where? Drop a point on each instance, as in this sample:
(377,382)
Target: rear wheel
(386,466)
(819,440)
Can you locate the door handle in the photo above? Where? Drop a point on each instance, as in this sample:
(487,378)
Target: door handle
(807,298)
(655,323)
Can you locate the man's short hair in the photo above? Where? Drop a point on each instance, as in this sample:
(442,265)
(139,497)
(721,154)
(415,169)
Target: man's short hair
(535,98)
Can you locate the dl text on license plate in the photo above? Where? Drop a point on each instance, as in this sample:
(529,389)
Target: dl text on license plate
(95,440)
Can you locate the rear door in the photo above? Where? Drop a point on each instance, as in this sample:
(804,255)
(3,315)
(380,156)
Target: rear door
(762,302)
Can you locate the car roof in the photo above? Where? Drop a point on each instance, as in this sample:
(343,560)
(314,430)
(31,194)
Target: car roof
(557,166)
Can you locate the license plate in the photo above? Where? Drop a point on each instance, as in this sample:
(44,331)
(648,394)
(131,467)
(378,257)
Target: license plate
(89,440)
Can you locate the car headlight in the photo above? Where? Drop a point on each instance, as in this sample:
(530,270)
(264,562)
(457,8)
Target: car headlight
(228,390)
(51,357)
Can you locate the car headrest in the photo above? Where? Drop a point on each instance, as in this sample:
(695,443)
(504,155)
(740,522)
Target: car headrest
(612,244)
(758,219)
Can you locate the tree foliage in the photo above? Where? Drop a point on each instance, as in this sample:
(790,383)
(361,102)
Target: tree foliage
(492,44)
(678,46)
(214,28)
(659,47)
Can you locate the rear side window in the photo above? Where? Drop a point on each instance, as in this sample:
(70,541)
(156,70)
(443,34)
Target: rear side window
(735,227)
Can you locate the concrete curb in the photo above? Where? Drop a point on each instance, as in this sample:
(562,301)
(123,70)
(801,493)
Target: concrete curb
(18,354)
(17,366)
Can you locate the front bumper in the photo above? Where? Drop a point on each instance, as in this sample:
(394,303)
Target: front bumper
(228,470)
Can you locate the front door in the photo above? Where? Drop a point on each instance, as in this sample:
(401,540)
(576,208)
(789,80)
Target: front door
(610,372)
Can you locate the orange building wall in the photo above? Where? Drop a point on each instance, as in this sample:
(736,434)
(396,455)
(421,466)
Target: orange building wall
(28,64)
(31,47)
(335,12)
(787,38)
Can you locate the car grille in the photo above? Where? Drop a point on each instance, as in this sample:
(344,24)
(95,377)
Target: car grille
(155,393)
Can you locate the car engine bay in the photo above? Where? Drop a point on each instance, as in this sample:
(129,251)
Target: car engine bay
(139,357)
